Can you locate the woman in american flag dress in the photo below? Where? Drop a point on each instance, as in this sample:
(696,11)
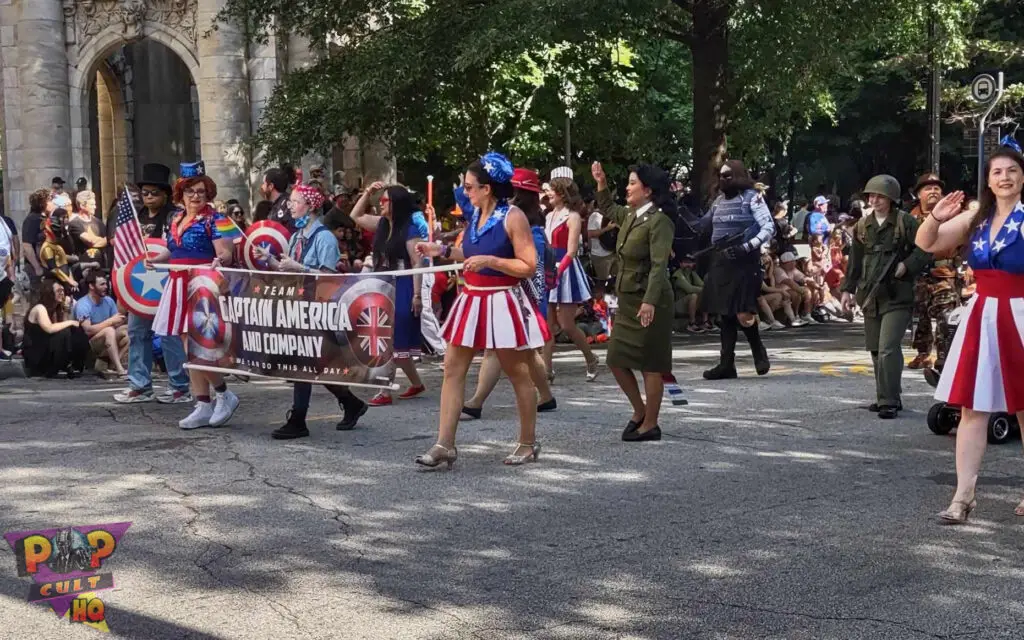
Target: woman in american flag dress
(493,310)
(984,370)
(193,239)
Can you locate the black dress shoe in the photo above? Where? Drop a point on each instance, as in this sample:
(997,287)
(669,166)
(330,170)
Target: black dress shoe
(635,435)
(888,413)
(550,405)
(931,376)
(875,408)
(721,372)
(294,428)
(474,413)
(351,417)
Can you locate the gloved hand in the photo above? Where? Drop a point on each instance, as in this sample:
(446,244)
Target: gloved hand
(737,251)
(563,264)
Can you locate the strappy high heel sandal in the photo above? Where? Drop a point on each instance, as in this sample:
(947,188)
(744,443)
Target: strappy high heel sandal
(438,454)
(958,512)
(516,459)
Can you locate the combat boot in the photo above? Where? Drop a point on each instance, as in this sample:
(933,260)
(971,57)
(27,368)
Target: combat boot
(295,427)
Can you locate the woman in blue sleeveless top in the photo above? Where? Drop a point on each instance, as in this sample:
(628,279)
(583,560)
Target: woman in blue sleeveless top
(983,372)
(492,311)
(527,198)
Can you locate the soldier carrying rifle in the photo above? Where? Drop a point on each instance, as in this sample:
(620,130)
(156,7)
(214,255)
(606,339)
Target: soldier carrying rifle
(883,266)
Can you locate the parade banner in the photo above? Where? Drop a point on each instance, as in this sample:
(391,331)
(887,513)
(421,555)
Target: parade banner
(324,328)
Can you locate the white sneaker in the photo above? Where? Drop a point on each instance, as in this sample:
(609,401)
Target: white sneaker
(132,396)
(809,320)
(171,396)
(778,325)
(224,408)
(763,326)
(200,416)
(799,322)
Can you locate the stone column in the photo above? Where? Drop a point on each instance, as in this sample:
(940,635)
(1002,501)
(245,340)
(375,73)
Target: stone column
(107,147)
(43,82)
(263,77)
(224,116)
(302,55)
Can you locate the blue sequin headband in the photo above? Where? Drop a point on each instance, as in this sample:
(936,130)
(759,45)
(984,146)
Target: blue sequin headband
(193,169)
(497,167)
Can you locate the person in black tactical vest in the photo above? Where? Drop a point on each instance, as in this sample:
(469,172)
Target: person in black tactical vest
(741,224)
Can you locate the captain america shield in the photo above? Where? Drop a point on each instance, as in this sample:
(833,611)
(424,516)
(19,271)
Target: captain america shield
(370,305)
(138,288)
(267,235)
(209,334)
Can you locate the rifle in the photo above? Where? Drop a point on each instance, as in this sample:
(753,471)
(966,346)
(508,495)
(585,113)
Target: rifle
(888,269)
(720,244)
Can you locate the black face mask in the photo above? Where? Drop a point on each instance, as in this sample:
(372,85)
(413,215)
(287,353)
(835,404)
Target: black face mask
(728,187)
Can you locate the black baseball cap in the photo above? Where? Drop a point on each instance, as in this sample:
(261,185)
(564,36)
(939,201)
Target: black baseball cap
(57,180)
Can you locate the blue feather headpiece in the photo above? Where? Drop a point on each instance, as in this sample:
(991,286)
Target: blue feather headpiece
(193,169)
(497,167)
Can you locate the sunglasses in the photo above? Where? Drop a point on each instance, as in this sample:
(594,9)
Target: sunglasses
(151,192)
(385,200)
(195,193)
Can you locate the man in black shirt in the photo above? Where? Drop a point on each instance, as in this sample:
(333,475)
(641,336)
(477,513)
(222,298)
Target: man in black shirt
(155,190)
(154,215)
(275,189)
(32,234)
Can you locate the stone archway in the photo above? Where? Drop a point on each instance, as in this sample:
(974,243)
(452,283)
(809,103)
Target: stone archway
(87,59)
(109,144)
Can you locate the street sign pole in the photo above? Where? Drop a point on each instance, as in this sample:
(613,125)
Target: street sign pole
(982,127)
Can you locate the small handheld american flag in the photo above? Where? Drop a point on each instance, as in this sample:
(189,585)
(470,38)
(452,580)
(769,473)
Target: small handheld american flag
(128,242)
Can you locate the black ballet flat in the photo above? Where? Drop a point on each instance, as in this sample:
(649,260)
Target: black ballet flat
(550,405)
(631,426)
(652,435)
(472,413)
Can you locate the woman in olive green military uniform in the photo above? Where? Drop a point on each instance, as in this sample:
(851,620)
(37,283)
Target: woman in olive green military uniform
(642,331)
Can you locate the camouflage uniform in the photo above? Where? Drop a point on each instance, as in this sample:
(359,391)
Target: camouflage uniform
(935,296)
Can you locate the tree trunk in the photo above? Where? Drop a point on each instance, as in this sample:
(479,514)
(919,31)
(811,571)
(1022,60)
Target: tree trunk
(712,102)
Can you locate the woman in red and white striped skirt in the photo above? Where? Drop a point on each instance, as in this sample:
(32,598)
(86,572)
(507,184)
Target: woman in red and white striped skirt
(983,372)
(193,239)
(493,311)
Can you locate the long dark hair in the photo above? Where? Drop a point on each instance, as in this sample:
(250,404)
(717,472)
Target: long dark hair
(390,238)
(500,190)
(656,179)
(529,202)
(48,299)
(740,176)
(987,202)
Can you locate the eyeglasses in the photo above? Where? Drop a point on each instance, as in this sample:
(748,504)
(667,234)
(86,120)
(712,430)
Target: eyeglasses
(195,193)
(156,192)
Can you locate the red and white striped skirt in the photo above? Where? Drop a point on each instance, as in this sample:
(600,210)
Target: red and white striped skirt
(172,313)
(985,367)
(494,312)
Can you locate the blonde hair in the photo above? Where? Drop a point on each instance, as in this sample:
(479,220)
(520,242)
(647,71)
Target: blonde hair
(83,198)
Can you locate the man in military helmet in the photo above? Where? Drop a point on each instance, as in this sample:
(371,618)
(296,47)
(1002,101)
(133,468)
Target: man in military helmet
(935,293)
(883,265)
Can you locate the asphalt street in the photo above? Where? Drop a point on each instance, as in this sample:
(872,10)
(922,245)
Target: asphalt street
(774,507)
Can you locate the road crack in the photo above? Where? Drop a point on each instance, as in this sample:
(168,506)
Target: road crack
(800,614)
